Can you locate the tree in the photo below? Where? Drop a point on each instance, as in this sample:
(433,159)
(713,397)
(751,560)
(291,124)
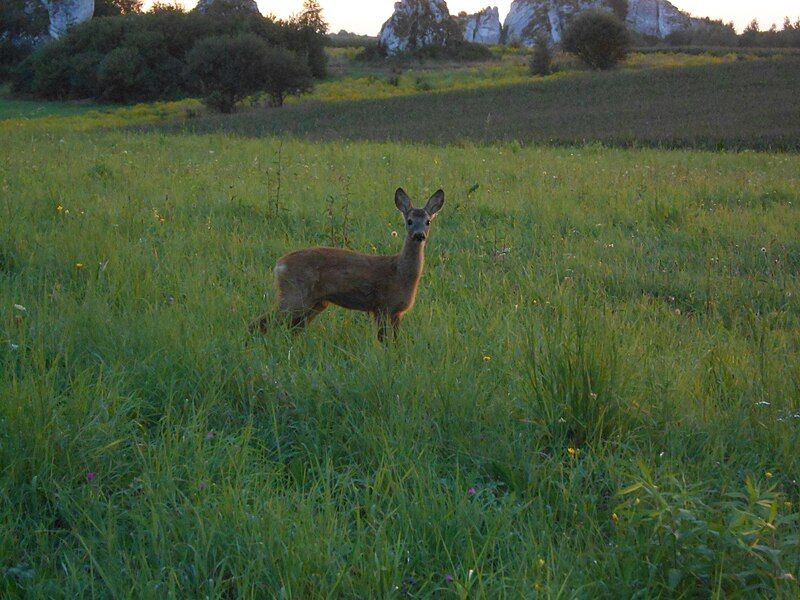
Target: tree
(311,17)
(286,75)
(21,24)
(598,38)
(226,69)
(541,62)
(115,8)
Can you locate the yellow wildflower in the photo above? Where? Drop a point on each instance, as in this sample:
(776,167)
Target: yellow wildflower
(79,266)
(487,359)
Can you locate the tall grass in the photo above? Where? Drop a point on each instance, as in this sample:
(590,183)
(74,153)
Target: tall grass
(595,396)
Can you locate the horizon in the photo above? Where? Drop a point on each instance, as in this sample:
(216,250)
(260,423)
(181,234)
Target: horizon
(368,18)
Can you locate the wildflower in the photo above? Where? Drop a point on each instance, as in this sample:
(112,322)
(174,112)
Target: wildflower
(788,505)
(615,518)
(394,234)
(637,502)
(769,475)
(20,308)
(90,476)
(487,359)
(14,346)
(59,208)
(201,486)
(79,266)
(573,452)
(472,491)
(593,395)
(448,578)
(541,563)
(210,435)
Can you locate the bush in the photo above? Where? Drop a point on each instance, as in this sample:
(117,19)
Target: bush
(119,74)
(89,62)
(226,69)
(541,62)
(598,38)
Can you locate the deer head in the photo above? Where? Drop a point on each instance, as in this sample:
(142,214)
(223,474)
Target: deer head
(418,220)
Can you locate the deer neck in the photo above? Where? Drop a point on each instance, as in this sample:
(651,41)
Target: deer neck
(410,261)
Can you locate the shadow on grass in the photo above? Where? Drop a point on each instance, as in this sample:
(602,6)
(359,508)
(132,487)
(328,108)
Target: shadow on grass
(749,105)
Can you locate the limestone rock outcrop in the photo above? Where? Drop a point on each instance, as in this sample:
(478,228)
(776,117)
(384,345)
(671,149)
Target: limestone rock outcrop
(483,27)
(417,24)
(528,19)
(65,14)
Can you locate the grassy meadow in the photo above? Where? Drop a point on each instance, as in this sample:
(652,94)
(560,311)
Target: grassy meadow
(596,395)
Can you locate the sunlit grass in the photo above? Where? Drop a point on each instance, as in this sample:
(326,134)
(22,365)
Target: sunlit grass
(595,396)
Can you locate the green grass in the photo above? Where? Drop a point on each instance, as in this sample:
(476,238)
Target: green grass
(12,108)
(604,350)
(751,104)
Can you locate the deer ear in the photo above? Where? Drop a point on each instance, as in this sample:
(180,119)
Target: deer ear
(435,204)
(402,201)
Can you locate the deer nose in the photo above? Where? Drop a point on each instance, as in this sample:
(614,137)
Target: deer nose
(419,237)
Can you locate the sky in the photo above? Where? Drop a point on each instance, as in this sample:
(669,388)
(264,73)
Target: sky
(367,16)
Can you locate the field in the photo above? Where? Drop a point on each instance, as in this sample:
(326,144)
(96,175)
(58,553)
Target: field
(596,395)
(711,106)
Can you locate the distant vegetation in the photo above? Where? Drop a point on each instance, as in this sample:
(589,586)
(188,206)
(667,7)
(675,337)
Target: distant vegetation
(600,39)
(717,106)
(227,69)
(143,57)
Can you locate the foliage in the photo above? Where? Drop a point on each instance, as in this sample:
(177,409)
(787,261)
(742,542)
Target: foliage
(21,24)
(787,37)
(150,447)
(157,45)
(226,69)
(541,60)
(115,8)
(598,38)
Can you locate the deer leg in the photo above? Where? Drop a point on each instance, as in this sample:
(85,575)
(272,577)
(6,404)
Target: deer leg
(382,321)
(299,319)
(261,324)
(395,320)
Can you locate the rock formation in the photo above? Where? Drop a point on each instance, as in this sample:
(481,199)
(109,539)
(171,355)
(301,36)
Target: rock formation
(417,24)
(224,7)
(67,13)
(530,18)
(483,27)
(656,18)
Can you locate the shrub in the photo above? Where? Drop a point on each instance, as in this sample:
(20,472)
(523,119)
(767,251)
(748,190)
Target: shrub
(541,62)
(598,38)
(226,69)
(80,64)
(286,75)
(119,74)
(21,23)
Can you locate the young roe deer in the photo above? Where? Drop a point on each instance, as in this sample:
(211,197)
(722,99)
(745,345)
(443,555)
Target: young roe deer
(310,280)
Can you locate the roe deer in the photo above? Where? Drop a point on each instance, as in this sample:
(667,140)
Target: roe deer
(308,281)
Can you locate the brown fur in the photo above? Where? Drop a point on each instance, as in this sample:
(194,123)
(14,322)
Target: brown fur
(310,280)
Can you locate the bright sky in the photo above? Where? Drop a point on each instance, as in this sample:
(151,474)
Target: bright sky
(367,16)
